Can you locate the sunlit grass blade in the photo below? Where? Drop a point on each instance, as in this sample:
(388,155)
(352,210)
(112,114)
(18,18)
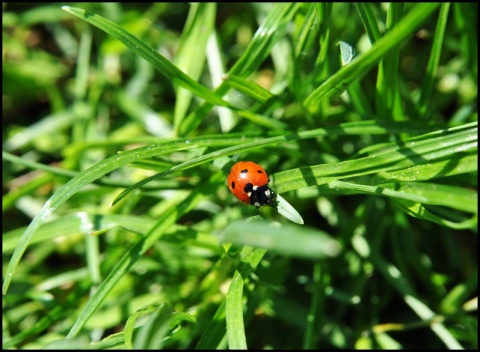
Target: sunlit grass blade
(164,66)
(363,127)
(422,192)
(337,83)
(461,163)
(193,43)
(234,302)
(286,239)
(396,157)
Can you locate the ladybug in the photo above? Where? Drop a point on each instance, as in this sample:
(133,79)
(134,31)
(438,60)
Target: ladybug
(249,183)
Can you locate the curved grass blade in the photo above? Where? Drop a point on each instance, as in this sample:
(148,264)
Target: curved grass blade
(356,69)
(417,210)
(414,151)
(164,66)
(248,87)
(88,176)
(349,128)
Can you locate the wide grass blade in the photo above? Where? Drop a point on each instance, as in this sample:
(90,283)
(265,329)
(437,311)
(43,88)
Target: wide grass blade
(364,127)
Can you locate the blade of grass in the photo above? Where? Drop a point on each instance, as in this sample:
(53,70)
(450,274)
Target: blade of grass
(285,239)
(164,66)
(369,21)
(234,302)
(363,127)
(422,192)
(303,39)
(433,62)
(417,210)
(387,93)
(411,153)
(458,164)
(248,87)
(193,44)
(365,61)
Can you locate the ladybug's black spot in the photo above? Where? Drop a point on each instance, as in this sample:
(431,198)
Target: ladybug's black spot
(233,184)
(244,171)
(260,171)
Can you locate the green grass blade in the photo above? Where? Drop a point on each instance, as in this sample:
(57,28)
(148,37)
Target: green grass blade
(193,43)
(460,163)
(417,210)
(215,332)
(433,62)
(387,93)
(369,21)
(365,61)
(363,127)
(248,87)
(411,153)
(234,302)
(289,240)
(164,66)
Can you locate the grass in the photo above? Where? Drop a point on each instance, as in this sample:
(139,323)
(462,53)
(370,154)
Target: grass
(121,122)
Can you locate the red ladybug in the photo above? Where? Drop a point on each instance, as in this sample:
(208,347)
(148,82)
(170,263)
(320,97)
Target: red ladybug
(249,183)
